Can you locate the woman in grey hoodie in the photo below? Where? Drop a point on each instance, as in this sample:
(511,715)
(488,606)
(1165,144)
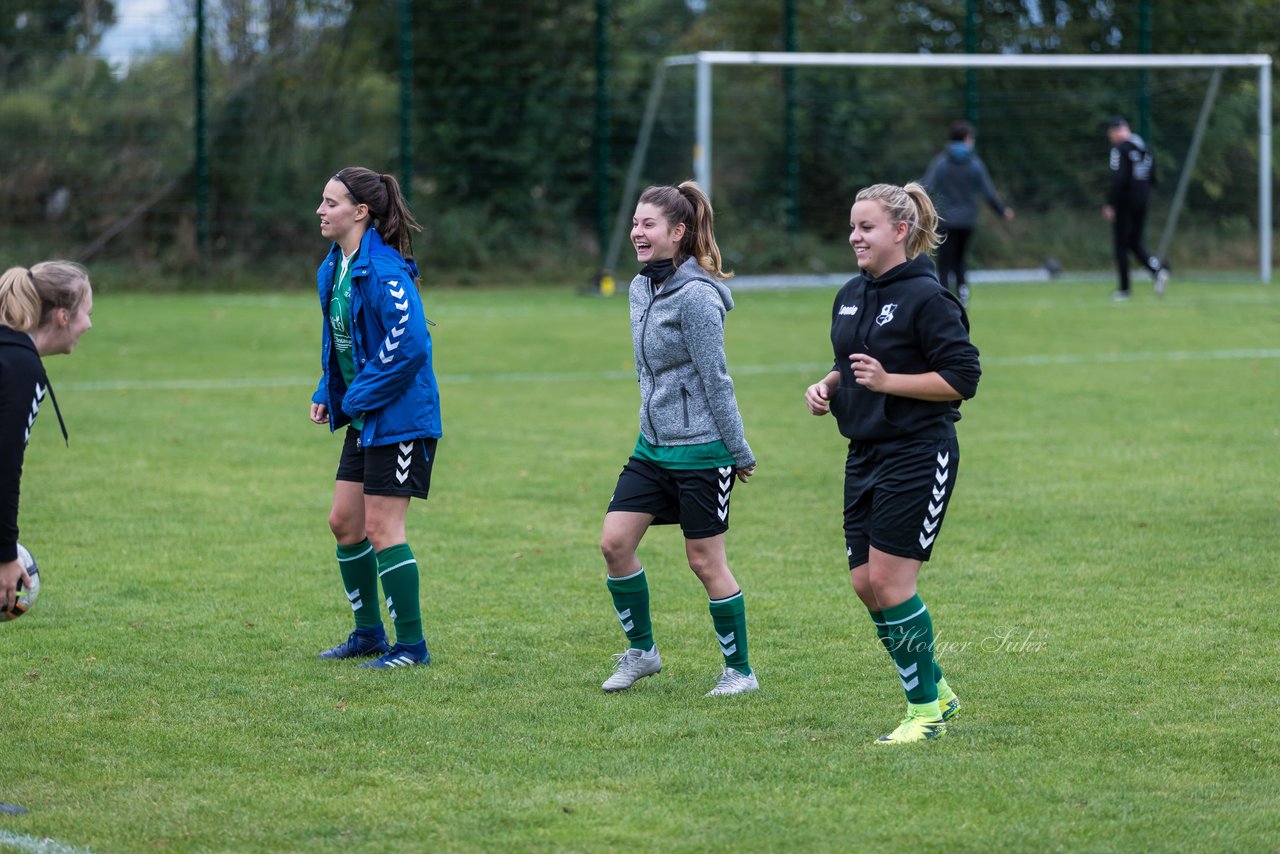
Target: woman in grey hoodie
(691,445)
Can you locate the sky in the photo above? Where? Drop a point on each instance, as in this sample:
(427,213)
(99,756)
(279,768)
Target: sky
(140,25)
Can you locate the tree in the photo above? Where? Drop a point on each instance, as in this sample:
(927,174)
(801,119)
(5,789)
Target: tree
(48,30)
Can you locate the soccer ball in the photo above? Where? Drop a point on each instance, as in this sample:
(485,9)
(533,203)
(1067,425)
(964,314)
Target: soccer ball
(26,594)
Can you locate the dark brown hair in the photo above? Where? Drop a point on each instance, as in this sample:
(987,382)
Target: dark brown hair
(381,194)
(688,204)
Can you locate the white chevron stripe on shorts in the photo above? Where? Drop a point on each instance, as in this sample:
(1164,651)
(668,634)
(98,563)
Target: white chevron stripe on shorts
(403,460)
(929,530)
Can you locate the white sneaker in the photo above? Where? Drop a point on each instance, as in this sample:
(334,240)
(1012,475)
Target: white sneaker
(632,665)
(732,682)
(1162,281)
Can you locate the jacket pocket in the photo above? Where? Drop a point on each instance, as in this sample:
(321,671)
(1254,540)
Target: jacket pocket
(684,405)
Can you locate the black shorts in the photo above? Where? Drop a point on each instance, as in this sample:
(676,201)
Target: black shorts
(401,468)
(895,495)
(697,499)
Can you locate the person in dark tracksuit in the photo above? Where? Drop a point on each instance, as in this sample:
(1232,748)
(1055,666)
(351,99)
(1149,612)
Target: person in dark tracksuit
(377,379)
(43,310)
(955,178)
(903,363)
(691,446)
(1133,174)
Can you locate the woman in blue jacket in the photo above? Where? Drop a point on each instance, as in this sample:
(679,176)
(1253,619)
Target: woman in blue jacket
(903,363)
(376,380)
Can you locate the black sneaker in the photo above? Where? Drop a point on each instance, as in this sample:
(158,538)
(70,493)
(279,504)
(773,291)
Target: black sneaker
(402,655)
(361,643)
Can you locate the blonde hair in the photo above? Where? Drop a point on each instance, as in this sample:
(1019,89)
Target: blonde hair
(28,297)
(688,204)
(910,204)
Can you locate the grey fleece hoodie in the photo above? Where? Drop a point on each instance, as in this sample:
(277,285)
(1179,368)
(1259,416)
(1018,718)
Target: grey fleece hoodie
(686,394)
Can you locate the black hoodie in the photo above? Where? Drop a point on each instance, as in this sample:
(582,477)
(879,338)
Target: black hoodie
(22,386)
(912,325)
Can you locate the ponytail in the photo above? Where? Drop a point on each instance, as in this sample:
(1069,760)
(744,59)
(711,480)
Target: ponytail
(28,297)
(700,236)
(396,225)
(19,301)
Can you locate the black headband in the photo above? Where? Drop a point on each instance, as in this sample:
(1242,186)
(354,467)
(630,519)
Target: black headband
(351,192)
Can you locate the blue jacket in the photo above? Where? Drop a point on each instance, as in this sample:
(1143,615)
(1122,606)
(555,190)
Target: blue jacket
(395,386)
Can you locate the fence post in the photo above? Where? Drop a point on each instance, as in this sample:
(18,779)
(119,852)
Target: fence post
(202,137)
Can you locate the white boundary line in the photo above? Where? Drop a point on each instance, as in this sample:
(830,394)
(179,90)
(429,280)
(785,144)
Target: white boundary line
(1030,360)
(38,844)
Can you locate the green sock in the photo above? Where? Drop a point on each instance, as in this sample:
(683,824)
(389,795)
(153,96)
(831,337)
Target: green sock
(911,645)
(882,632)
(729,616)
(631,602)
(398,569)
(359,568)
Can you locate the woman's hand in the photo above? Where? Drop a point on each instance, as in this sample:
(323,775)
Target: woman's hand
(319,413)
(868,371)
(11,574)
(818,396)
(743,474)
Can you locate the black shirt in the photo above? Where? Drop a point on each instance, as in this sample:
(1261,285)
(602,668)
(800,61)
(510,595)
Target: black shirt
(912,325)
(23,383)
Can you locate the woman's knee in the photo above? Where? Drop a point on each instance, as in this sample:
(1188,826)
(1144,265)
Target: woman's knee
(346,528)
(612,546)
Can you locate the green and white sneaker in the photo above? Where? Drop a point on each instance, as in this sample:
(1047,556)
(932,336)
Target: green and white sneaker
(915,727)
(949,705)
(630,666)
(732,682)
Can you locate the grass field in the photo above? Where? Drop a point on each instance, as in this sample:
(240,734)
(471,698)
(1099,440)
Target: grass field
(1104,590)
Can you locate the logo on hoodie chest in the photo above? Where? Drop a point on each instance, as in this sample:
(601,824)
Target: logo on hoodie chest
(886,313)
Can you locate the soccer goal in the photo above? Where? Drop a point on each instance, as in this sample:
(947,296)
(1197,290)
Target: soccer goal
(1185,148)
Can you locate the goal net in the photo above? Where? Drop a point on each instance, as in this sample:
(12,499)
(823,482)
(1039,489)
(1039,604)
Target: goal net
(783,142)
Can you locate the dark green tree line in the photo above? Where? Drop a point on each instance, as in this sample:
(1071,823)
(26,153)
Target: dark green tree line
(504,125)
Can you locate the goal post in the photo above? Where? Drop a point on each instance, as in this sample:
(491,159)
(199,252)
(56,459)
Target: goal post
(705,61)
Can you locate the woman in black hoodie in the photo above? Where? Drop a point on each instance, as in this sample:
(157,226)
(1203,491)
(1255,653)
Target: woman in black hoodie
(43,310)
(903,363)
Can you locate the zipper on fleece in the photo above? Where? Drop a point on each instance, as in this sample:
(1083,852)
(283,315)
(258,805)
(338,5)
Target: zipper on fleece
(644,327)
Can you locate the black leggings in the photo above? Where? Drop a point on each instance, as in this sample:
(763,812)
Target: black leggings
(951,257)
(1126,234)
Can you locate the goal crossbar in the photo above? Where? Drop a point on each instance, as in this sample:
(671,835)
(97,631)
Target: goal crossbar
(705,61)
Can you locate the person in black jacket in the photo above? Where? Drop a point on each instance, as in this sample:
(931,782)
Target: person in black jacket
(43,310)
(1133,174)
(903,363)
(955,178)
